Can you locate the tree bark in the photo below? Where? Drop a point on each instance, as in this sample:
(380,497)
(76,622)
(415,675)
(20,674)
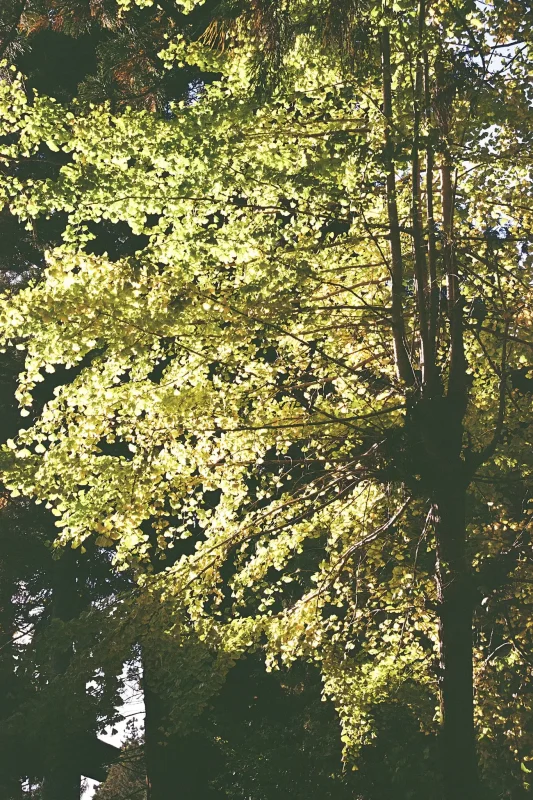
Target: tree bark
(156,775)
(453,568)
(420,264)
(430,218)
(455,597)
(401,356)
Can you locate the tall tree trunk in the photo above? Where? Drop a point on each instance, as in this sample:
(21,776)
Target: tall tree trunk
(431,231)
(421,275)
(177,767)
(455,596)
(401,356)
(453,568)
(158,773)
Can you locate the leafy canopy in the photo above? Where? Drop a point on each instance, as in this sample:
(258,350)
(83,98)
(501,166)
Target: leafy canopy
(235,406)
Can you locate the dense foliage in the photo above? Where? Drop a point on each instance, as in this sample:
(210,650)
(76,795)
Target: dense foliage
(290,322)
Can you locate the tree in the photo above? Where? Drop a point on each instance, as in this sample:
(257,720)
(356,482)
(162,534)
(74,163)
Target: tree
(263,736)
(127,778)
(312,362)
(49,722)
(92,51)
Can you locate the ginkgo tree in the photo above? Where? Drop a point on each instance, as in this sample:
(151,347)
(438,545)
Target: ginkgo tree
(305,378)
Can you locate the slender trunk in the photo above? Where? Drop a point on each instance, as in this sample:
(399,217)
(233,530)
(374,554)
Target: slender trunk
(447,226)
(401,355)
(457,385)
(432,248)
(457,373)
(454,587)
(422,290)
